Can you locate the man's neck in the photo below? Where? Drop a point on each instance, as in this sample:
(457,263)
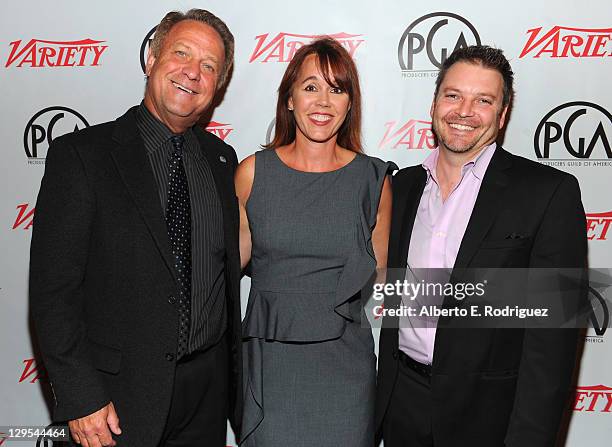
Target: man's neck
(450,165)
(175,128)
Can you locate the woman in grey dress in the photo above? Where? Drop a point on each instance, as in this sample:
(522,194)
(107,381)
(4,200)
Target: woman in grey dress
(315,215)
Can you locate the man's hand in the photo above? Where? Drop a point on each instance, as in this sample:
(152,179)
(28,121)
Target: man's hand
(93,430)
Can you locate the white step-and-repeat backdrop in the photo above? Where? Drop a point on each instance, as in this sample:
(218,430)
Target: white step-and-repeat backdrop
(69,64)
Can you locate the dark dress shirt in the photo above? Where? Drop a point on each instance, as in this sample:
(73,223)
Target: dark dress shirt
(208,313)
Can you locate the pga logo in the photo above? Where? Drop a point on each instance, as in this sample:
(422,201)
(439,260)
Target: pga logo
(144,48)
(577,129)
(48,124)
(430,39)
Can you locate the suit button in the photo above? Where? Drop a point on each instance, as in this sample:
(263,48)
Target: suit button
(169,357)
(172,299)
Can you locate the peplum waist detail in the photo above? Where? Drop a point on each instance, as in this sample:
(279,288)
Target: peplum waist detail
(292,316)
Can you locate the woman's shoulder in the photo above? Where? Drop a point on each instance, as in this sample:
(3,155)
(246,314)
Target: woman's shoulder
(247,165)
(378,165)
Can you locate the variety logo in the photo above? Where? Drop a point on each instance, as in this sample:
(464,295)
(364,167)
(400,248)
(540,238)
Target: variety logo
(413,134)
(282,47)
(219,129)
(430,39)
(46,125)
(578,128)
(32,372)
(561,41)
(598,225)
(25,217)
(54,53)
(144,48)
(596,398)
(3,437)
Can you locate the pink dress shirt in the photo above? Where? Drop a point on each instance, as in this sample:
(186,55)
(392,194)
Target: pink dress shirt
(438,229)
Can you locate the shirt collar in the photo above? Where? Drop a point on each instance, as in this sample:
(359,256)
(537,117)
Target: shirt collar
(158,134)
(477,165)
(482,160)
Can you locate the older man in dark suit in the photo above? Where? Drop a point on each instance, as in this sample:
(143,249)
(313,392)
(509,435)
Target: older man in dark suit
(134,274)
(473,205)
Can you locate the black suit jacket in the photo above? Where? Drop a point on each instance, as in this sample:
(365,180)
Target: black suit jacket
(102,281)
(495,387)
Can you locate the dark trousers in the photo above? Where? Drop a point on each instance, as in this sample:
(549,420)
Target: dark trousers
(199,408)
(407,422)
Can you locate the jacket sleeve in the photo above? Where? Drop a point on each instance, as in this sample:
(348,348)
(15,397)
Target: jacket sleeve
(549,354)
(62,228)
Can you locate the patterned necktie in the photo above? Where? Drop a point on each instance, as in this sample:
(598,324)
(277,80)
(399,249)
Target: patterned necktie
(178,222)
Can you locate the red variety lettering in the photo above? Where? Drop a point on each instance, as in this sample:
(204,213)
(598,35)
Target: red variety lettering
(219,129)
(32,371)
(283,46)
(596,398)
(24,216)
(598,225)
(414,134)
(48,53)
(563,42)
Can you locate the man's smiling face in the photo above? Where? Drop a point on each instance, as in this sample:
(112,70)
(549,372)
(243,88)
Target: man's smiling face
(467,112)
(183,77)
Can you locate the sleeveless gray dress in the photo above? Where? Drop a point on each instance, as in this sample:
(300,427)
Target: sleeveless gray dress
(310,368)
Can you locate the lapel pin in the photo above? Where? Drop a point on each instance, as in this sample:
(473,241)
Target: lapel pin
(222,159)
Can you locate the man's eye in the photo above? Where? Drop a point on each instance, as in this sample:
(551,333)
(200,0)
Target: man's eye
(486,101)
(209,67)
(451,96)
(180,53)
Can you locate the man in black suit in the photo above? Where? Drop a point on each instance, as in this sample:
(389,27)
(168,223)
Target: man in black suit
(134,272)
(473,205)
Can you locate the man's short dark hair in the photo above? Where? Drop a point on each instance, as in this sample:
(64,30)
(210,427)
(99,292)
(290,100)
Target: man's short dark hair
(486,56)
(202,16)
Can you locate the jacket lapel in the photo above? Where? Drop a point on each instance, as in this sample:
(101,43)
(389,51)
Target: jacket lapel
(406,199)
(487,206)
(221,169)
(135,171)
(405,206)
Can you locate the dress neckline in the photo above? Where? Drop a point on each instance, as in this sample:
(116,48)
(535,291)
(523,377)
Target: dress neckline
(313,172)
